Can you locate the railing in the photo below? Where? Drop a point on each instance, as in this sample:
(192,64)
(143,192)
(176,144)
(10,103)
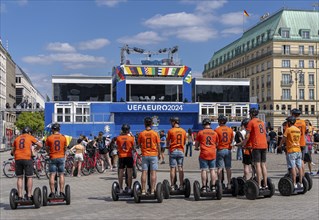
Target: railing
(214,118)
(83,118)
(286,83)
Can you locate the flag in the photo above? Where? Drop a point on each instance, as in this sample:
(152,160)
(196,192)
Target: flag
(245,13)
(188,78)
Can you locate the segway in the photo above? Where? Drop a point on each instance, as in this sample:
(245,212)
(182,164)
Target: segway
(57,198)
(286,186)
(167,190)
(252,190)
(241,185)
(137,191)
(35,199)
(211,192)
(116,194)
(234,186)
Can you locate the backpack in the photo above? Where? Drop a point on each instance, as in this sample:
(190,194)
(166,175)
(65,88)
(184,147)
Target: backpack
(101,144)
(238,135)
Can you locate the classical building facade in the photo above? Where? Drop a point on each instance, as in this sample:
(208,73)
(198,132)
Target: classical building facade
(280,57)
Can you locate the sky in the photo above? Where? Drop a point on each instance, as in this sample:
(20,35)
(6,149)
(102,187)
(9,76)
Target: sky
(84,37)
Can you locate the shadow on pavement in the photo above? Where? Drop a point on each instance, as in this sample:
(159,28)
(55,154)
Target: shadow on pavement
(105,198)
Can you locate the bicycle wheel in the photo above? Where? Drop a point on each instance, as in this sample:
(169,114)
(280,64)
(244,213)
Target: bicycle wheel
(40,165)
(99,166)
(46,168)
(86,167)
(68,167)
(9,169)
(139,162)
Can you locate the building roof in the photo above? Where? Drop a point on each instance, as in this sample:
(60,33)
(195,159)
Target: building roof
(270,29)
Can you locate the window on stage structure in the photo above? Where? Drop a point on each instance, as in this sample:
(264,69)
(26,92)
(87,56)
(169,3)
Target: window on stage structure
(63,113)
(166,93)
(222,93)
(81,92)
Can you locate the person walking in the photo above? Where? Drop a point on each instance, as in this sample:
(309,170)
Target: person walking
(189,144)
(79,151)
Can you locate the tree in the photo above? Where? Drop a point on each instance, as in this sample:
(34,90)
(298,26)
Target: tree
(35,120)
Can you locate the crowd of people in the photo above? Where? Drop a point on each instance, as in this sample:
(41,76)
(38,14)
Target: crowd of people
(296,138)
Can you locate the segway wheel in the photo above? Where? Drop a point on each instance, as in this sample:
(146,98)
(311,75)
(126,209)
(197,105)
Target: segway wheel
(13,197)
(241,182)
(159,192)
(251,190)
(166,189)
(187,187)
(271,188)
(305,185)
(68,194)
(196,189)
(45,196)
(219,190)
(37,199)
(285,186)
(234,186)
(115,189)
(309,179)
(136,191)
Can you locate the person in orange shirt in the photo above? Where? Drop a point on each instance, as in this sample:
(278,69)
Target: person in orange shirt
(256,135)
(56,145)
(125,145)
(175,142)
(149,142)
(291,138)
(225,137)
(22,151)
(206,142)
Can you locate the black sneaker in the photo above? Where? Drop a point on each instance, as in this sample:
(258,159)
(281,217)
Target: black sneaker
(62,194)
(51,195)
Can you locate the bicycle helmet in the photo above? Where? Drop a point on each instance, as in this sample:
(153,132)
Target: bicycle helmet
(253,111)
(295,111)
(174,119)
(291,120)
(245,122)
(222,119)
(55,127)
(26,130)
(206,121)
(125,128)
(148,121)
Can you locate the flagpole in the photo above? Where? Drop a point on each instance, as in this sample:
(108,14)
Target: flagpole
(243,22)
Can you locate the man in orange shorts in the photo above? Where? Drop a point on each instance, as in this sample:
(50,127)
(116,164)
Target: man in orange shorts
(21,149)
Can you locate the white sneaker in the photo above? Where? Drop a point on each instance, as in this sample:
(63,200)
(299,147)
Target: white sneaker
(301,185)
(313,164)
(129,191)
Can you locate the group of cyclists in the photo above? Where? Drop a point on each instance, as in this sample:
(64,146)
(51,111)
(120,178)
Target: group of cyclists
(215,148)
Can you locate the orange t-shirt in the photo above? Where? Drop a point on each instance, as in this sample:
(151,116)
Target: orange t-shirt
(208,139)
(247,148)
(257,136)
(125,145)
(301,124)
(149,141)
(293,135)
(225,137)
(23,146)
(57,144)
(177,138)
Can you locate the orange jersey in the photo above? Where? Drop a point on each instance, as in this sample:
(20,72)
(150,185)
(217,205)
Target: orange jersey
(207,139)
(247,148)
(177,139)
(125,145)
(257,135)
(301,124)
(57,145)
(225,137)
(293,136)
(23,146)
(149,141)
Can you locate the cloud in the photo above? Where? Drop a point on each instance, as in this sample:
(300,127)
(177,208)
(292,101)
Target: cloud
(63,58)
(60,47)
(143,38)
(174,20)
(94,44)
(232,18)
(206,6)
(234,30)
(194,34)
(109,3)
(42,82)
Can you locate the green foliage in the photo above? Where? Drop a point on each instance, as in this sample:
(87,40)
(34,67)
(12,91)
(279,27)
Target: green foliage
(34,120)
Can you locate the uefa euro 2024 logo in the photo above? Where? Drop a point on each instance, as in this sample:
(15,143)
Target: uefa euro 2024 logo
(156,120)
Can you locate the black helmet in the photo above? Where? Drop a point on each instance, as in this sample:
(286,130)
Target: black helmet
(295,111)
(26,130)
(222,119)
(206,121)
(291,120)
(148,121)
(174,119)
(55,127)
(253,111)
(125,128)
(245,122)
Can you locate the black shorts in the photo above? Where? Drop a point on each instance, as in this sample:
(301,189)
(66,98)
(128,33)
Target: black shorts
(307,157)
(24,167)
(246,159)
(125,162)
(302,153)
(259,155)
(104,151)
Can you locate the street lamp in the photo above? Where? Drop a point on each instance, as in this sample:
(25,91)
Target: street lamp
(300,73)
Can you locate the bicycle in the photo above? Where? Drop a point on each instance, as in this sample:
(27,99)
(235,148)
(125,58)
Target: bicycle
(9,168)
(92,160)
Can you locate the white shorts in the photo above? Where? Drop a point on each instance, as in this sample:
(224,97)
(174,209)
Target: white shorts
(78,157)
